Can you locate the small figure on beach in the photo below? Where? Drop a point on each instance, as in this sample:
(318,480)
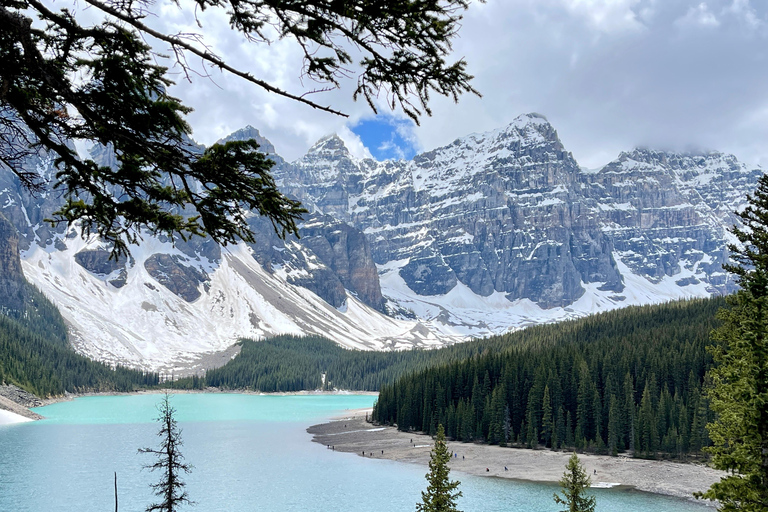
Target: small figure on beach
(382,452)
(595,471)
(411,440)
(487,470)
(333,448)
(505,468)
(462,457)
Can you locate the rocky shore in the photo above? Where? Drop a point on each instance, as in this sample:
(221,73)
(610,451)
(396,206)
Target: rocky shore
(17,401)
(353,434)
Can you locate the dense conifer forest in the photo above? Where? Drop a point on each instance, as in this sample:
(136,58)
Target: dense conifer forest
(627,380)
(34,355)
(295,363)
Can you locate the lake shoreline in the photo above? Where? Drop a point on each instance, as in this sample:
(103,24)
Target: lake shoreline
(352,434)
(19,403)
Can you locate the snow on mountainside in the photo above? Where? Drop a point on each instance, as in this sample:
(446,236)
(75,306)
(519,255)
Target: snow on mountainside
(503,229)
(171,304)
(492,232)
(144,324)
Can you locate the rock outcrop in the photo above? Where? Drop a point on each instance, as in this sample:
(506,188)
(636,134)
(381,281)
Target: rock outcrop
(183,280)
(13,286)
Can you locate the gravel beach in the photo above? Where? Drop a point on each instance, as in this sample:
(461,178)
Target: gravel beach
(354,435)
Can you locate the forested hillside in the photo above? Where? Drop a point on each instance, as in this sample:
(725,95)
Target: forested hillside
(295,363)
(34,355)
(625,380)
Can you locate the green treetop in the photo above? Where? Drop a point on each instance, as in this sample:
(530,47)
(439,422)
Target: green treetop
(738,393)
(575,483)
(441,493)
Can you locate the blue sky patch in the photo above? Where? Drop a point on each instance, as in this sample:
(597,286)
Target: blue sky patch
(387,137)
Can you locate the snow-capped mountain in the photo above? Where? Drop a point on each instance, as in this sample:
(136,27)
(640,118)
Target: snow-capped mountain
(173,305)
(492,232)
(503,229)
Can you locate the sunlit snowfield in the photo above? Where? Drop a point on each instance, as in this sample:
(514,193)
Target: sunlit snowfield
(250,452)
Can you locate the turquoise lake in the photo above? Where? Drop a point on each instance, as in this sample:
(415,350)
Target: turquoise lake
(250,452)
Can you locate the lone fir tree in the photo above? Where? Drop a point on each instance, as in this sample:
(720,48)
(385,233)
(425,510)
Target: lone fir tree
(738,392)
(441,493)
(575,483)
(170,461)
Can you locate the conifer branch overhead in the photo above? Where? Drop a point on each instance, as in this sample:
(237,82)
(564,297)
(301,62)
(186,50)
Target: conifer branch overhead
(62,80)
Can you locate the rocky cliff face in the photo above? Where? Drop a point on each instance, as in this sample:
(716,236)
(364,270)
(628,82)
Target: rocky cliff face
(494,231)
(511,212)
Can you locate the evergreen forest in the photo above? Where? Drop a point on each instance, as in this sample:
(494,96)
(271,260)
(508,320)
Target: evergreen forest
(628,380)
(34,355)
(295,363)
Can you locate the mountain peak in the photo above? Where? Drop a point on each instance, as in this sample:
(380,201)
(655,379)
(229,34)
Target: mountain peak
(674,158)
(329,147)
(330,142)
(530,126)
(248,133)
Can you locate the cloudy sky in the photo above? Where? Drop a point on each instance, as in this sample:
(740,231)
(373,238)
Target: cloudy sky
(609,75)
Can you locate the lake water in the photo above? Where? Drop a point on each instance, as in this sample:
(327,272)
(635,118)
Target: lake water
(250,452)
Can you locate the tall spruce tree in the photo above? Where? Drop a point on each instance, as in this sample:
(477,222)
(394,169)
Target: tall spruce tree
(170,461)
(69,75)
(738,393)
(575,483)
(441,493)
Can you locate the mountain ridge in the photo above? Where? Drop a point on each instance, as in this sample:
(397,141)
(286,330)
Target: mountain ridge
(491,232)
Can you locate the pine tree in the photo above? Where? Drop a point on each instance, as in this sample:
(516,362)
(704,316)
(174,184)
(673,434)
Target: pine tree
(547,423)
(649,437)
(613,426)
(170,461)
(441,493)
(738,392)
(575,482)
(508,433)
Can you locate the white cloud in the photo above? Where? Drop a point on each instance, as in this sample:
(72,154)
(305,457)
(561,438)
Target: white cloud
(353,143)
(606,15)
(698,16)
(608,74)
(742,10)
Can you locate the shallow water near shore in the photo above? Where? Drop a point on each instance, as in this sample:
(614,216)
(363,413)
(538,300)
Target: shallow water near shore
(250,452)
